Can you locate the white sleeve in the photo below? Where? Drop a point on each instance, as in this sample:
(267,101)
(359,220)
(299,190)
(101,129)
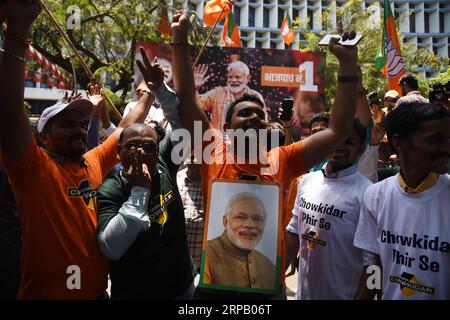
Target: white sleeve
(128,108)
(169,104)
(293,224)
(369,258)
(109,131)
(366,231)
(368,163)
(120,233)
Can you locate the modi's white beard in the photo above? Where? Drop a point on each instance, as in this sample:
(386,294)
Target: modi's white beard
(237,89)
(244,245)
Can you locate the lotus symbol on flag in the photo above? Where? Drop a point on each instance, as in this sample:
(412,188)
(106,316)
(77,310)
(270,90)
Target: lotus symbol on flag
(285,31)
(394,59)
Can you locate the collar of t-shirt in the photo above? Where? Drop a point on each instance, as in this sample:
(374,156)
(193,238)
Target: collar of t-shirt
(341,173)
(413,93)
(426,184)
(61,159)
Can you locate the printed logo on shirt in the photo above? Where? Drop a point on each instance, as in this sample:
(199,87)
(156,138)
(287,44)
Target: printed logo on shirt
(158,210)
(85,191)
(410,285)
(313,239)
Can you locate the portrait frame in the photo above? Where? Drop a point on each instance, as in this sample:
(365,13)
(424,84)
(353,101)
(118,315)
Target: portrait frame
(269,245)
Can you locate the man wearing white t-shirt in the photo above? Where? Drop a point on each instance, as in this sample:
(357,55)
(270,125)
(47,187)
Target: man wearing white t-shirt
(324,222)
(405,219)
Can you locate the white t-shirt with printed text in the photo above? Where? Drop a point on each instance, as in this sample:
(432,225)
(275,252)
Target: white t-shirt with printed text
(411,233)
(325,217)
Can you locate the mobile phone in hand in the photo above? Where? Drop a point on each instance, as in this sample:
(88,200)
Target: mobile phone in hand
(287,106)
(349,42)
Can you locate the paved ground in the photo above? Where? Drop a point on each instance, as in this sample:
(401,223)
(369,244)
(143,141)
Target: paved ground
(291,286)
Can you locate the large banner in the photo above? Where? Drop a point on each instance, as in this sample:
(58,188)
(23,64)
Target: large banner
(224,74)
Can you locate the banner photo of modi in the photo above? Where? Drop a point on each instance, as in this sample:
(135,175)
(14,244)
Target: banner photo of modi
(224,74)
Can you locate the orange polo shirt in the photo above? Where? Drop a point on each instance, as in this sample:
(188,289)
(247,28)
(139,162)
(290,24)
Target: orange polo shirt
(287,163)
(58,211)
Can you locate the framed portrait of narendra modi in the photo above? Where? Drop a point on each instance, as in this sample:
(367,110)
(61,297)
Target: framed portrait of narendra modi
(242,237)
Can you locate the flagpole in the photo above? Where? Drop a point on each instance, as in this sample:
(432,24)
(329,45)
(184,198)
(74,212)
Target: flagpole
(197,60)
(83,64)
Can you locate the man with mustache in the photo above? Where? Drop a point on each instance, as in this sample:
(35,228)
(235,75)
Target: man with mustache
(247,115)
(217,100)
(55,187)
(231,259)
(404,220)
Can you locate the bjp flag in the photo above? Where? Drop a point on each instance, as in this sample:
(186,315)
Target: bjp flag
(163,25)
(287,32)
(389,59)
(230,32)
(213,10)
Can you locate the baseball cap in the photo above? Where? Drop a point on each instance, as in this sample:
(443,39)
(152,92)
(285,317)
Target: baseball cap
(391,94)
(83,106)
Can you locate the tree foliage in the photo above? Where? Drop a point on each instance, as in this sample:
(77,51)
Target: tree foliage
(107,35)
(354,18)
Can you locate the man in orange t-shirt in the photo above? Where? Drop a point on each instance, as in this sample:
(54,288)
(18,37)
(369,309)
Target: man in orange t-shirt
(285,163)
(55,187)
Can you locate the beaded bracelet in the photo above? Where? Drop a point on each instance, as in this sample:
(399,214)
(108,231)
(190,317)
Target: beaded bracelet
(179,44)
(342,78)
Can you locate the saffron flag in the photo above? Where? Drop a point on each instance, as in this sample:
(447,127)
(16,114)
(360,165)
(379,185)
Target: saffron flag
(164,25)
(389,59)
(287,32)
(213,10)
(230,32)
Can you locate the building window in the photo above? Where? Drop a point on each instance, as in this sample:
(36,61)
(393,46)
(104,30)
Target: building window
(266,18)
(310,19)
(237,14)
(258,44)
(441,22)
(280,16)
(295,14)
(427,21)
(412,22)
(251,16)
(273,45)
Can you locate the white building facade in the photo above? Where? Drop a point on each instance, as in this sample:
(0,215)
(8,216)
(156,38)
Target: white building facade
(423,23)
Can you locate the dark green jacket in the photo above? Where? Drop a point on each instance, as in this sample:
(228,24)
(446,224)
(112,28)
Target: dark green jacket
(158,264)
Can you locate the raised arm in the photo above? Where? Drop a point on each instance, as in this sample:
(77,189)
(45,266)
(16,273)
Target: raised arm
(362,105)
(318,146)
(183,75)
(15,131)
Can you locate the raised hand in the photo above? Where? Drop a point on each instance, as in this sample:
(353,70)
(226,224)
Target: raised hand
(200,77)
(137,173)
(181,24)
(152,72)
(377,134)
(345,54)
(96,95)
